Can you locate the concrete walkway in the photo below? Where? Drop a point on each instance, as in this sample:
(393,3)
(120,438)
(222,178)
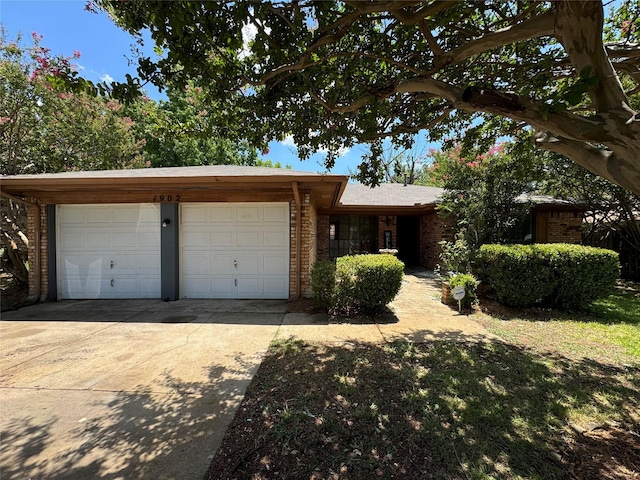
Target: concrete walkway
(416,315)
(140,389)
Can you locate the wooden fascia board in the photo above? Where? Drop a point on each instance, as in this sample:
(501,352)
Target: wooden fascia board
(36,184)
(379,210)
(552,207)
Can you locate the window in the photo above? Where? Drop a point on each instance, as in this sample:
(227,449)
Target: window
(352,234)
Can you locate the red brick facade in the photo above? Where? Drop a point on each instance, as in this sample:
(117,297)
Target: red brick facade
(564,227)
(392,226)
(432,231)
(32,212)
(308,251)
(322,237)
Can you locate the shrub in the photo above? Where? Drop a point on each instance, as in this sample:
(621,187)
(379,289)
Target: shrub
(367,282)
(554,275)
(323,283)
(455,256)
(516,273)
(470,284)
(581,275)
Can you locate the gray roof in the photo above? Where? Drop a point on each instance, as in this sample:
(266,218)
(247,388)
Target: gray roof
(400,195)
(544,199)
(389,195)
(180,172)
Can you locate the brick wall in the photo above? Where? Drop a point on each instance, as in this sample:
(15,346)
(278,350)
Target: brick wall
(382,226)
(432,231)
(32,212)
(309,245)
(308,251)
(564,227)
(322,237)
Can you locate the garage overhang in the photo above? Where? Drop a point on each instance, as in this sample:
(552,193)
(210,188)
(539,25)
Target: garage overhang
(215,183)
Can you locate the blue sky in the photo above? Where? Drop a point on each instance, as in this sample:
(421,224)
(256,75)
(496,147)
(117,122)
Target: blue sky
(105,53)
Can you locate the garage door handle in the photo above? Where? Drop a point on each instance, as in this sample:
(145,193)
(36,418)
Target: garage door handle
(235,263)
(112,282)
(112,264)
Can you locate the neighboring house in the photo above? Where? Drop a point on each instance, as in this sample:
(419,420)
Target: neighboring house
(225,231)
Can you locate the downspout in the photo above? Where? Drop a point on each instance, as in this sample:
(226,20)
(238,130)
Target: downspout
(37,226)
(296,196)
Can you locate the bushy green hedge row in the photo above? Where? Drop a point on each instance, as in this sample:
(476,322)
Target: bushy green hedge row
(553,275)
(357,283)
(323,283)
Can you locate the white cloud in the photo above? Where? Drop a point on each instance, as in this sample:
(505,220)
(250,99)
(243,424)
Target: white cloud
(342,151)
(249,32)
(106,78)
(289,142)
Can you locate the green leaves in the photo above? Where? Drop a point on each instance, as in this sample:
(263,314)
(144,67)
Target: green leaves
(570,93)
(553,275)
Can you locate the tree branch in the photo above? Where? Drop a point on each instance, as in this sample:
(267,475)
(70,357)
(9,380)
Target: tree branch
(538,26)
(578,28)
(604,163)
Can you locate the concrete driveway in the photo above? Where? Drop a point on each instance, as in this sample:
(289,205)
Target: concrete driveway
(143,389)
(125,389)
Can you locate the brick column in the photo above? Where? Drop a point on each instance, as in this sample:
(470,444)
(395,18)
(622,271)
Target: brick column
(32,212)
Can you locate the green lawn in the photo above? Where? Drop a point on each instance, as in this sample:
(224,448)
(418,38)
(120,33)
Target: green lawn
(559,399)
(608,330)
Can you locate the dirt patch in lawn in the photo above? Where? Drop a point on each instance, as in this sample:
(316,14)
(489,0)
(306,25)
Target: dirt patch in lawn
(607,453)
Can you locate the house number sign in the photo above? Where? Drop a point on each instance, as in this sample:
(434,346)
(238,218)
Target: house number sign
(166,198)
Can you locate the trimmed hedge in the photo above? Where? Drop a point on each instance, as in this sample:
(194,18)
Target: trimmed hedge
(367,282)
(551,275)
(323,283)
(356,283)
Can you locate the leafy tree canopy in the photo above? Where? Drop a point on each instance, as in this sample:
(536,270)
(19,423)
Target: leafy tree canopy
(179,132)
(332,73)
(484,203)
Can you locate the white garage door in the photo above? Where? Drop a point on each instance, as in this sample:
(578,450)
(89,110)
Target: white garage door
(108,251)
(235,250)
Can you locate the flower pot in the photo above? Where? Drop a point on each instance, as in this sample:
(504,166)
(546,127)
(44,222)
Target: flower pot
(446,297)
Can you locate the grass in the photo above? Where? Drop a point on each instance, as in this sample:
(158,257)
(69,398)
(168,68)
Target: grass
(538,406)
(608,330)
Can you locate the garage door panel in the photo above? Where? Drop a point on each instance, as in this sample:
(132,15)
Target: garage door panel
(196,263)
(195,214)
(221,213)
(249,263)
(276,287)
(224,238)
(98,215)
(115,253)
(149,286)
(94,239)
(222,287)
(72,215)
(249,287)
(121,239)
(148,264)
(73,238)
(148,238)
(275,263)
(276,213)
(275,238)
(249,238)
(246,213)
(247,243)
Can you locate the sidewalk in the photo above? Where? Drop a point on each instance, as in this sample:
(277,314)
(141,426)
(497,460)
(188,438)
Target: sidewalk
(416,315)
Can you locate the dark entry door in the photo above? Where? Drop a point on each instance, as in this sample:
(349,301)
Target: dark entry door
(408,240)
